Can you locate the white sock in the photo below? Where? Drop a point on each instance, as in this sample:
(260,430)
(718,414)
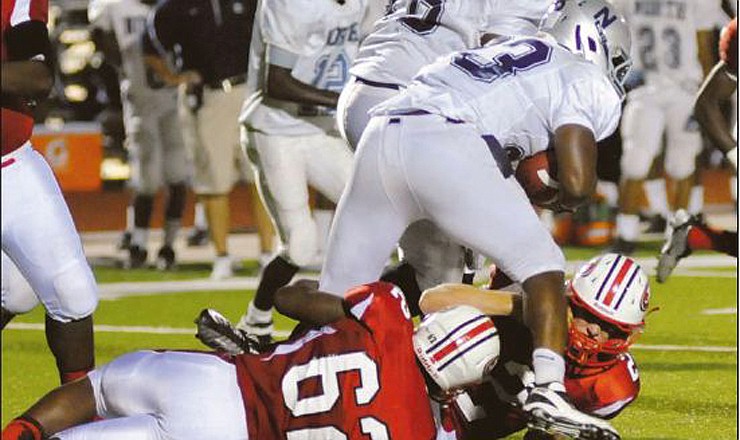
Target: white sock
(323,218)
(548,366)
(608,190)
(733,188)
(130,218)
(140,237)
(628,226)
(199,221)
(656,196)
(696,200)
(171,228)
(256,315)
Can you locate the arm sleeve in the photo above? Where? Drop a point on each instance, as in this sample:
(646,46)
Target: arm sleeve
(591,102)
(98,14)
(29,10)
(709,15)
(286,27)
(382,308)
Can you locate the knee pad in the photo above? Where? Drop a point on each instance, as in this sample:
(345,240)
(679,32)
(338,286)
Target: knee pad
(17,295)
(635,163)
(76,293)
(680,163)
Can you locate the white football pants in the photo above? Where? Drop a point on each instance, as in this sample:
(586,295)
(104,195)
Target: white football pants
(409,168)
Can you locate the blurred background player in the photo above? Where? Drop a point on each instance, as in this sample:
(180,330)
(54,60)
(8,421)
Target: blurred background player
(607,314)
(293,390)
(687,233)
(38,233)
(673,51)
(211,41)
(299,60)
(153,135)
(409,37)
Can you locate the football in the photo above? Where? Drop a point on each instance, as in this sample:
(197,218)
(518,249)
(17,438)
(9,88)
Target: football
(538,176)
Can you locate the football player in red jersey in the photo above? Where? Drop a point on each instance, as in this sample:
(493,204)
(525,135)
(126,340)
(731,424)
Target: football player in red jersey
(357,370)
(686,233)
(38,233)
(608,299)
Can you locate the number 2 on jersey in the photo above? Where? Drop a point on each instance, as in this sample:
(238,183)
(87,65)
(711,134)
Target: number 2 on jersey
(524,55)
(327,371)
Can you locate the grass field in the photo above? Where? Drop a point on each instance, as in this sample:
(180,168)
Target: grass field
(686,393)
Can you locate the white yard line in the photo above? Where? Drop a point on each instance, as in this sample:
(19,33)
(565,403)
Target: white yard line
(285,334)
(725,311)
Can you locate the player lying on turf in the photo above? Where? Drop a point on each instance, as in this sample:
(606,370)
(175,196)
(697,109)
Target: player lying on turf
(352,374)
(608,299)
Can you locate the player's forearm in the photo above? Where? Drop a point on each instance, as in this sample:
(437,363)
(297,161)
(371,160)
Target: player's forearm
(169,77)
(575,149)
(490,302)
(303,302)
(718,87)
(26,79)
(283,86)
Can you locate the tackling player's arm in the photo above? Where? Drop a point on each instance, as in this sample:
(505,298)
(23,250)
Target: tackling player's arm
(490,302)
(304,302)
(719,86)
(27,73)
(283,86)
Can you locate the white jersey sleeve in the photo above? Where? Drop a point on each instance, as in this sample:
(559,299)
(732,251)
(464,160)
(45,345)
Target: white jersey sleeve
(709,15)
(98,14)
(587,102)
(290,24)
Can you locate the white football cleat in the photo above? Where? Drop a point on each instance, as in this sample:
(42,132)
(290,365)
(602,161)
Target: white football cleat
(261,329)
(676,246)
(549,411)
(215,331)
(222,268)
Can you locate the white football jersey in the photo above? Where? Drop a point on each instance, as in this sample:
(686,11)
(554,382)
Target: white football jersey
(664,45)
(126,19)
(416,32)
(519,91)
(323,38)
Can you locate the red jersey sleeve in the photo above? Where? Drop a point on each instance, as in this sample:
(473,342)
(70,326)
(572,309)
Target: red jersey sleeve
(607,393)
(382,308)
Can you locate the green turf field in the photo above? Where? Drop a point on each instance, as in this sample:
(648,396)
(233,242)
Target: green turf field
(685,394)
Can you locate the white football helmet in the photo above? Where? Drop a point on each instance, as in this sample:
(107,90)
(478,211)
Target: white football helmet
(457,346)
(613,291)
(596,31)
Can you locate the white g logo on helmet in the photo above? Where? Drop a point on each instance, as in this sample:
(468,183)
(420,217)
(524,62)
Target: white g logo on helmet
(457,346)
(614,288)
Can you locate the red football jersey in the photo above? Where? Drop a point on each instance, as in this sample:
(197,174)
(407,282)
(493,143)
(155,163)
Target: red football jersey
(492,410)
(17,123)
(356,378)
(607,392)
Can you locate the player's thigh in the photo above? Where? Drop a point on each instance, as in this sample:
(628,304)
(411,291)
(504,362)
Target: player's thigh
(17,295)
(435,257)
(140,427)
(282,170)
(193,395)
(371,215)
(218,132)
(328,165)
(40,237)
(175,164)
(683,139)
(145,150)
(483,211)
(643,124)
(355,101)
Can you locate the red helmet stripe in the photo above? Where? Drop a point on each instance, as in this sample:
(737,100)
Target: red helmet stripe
(460,341)
(616,283)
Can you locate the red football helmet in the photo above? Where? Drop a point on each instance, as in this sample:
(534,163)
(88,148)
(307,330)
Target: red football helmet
(612,291)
